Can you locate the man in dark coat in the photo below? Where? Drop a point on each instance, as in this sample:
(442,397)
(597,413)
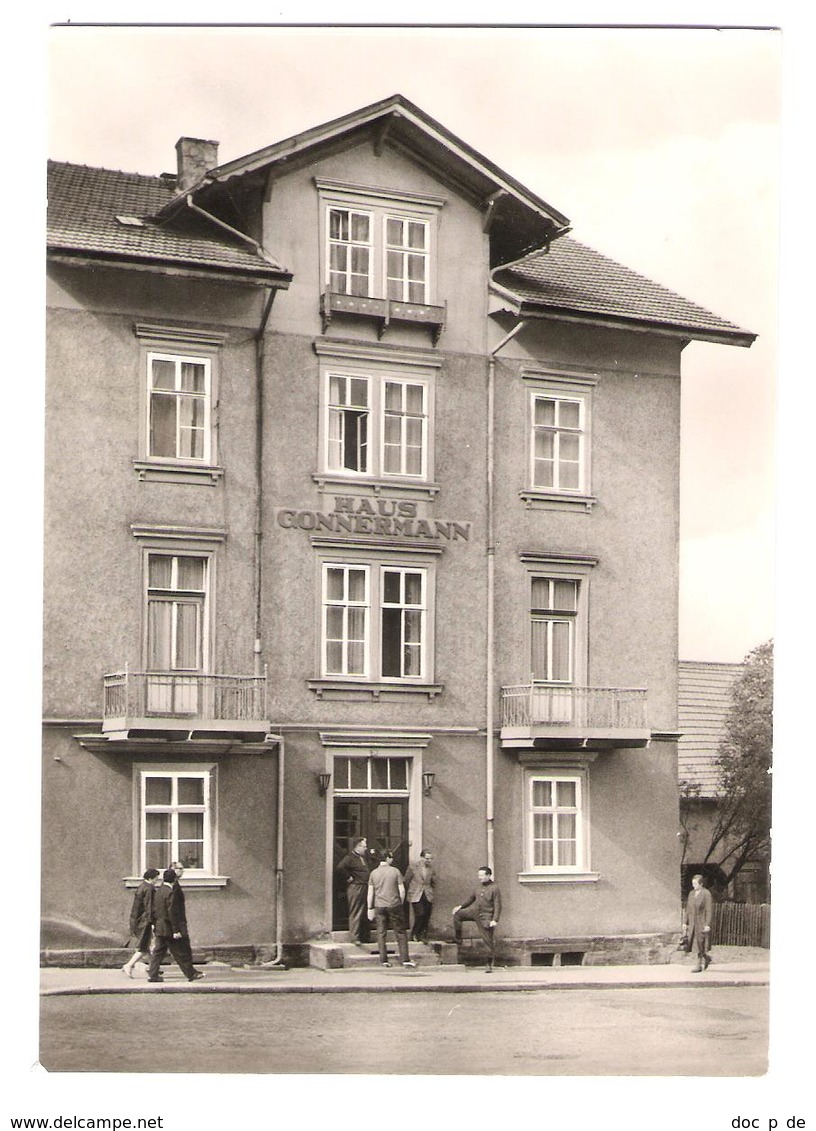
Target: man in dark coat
(171,930)
(699,919)
(353,870)
(141,920)
(484,909)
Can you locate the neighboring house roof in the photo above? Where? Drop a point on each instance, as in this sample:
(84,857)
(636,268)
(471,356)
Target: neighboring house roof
(102,214)
(571,278)
(704,701)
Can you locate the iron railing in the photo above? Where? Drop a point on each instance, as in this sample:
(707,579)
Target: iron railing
(132,695)
(584,708)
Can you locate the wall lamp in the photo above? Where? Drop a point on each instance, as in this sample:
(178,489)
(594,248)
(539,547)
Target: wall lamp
(323,782)
(427,782)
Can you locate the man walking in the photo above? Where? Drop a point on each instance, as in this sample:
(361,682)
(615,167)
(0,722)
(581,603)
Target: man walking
(386,895)
(420,880)
(484,909)
(353,870)
(699,918)
(171,930)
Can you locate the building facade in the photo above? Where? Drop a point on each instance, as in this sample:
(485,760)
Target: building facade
(361,519)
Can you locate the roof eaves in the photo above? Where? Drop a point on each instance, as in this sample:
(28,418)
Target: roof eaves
(262,276)
(401,107)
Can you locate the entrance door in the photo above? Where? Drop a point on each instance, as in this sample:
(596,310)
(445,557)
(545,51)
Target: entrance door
(383,821)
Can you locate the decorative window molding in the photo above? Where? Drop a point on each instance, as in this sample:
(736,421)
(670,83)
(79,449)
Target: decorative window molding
(178,434)
(559,426)
(376,419)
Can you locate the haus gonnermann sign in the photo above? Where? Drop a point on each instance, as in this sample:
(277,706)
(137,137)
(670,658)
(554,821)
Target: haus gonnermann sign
(376,518)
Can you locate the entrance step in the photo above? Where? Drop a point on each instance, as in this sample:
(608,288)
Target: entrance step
(335,955)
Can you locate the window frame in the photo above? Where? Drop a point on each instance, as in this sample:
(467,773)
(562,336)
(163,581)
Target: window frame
(179,395)
(553,775)
(377,378)
(175,552)
(205,773)
(179,344)
(381,204)
(375,568)
(562,389)
(541,567)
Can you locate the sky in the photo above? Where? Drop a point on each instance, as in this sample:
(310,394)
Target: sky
(660,145)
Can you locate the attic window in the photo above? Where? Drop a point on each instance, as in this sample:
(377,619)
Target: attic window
(131,221)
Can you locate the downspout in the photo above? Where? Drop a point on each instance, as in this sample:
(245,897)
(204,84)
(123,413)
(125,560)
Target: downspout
(260,340)
(491,591)
(276,961)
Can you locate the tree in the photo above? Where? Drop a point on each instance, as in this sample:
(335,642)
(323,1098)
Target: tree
(742,829)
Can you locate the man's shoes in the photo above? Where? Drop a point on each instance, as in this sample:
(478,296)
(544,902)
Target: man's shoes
(706,962)
(154,980)
(696,969)
(412,964)
(385,964)
(195,976)
(127,970)
(488,969)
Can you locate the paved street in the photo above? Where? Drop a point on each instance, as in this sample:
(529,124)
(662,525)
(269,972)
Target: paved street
(683,1030)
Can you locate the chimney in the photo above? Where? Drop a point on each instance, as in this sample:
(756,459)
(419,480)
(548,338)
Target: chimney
(195,158)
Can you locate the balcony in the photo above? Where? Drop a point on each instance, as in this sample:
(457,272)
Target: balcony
(383,311)
(173,706)
(547,717)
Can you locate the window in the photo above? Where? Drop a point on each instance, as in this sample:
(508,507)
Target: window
(178,378)
(366,774)
(559,449)
(179,400)
(176,630)
(553,612)
(374,622)
(176,819)
(379,243)
(406,244)
(350,251)
(558,443)
(556,822)
(377,424)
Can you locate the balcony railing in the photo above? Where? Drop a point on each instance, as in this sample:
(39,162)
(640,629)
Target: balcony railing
(605,715)
(173,701)
(383,311)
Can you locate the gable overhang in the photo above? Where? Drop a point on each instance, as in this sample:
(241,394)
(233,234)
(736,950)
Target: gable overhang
(518,220)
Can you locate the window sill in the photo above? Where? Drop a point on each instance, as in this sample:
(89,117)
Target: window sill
(556,501)
(368,689)
(371,485)
(177,472)
(205,883)
(558,877)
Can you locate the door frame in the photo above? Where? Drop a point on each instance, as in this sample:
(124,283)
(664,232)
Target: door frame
(393,746)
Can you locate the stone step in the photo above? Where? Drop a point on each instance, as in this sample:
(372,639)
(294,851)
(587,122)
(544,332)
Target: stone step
(331,955)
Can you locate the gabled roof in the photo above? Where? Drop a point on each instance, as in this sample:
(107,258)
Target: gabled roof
(103,215)
(704,700)
(520,220)
(572,280)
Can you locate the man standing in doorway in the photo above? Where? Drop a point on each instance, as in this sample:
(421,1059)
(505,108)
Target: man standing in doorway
(386,895)
(484,909)
(354,870)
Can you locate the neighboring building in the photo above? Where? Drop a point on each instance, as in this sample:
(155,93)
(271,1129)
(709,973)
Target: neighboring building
(705,700)
(361,518)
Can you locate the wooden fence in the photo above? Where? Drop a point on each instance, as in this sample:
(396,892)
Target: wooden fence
(742,924)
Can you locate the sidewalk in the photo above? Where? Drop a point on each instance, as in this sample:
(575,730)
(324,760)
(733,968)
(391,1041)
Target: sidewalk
(221,978)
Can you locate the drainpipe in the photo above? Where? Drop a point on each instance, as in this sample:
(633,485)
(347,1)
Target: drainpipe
(275,962)
(260,341)
(491,588)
